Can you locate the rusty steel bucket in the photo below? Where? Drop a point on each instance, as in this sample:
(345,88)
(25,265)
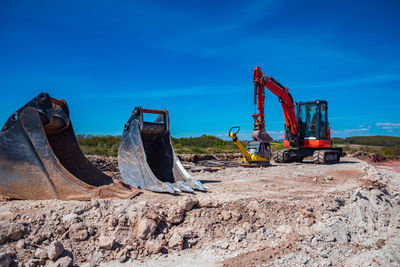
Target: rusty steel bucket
(41,159)
(146,157)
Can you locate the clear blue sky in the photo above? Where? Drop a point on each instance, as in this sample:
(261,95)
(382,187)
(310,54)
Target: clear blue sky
(196,59)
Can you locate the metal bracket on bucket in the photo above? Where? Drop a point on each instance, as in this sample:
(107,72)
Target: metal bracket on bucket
(146,156)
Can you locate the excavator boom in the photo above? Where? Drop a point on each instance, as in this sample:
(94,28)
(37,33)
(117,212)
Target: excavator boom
(261,81)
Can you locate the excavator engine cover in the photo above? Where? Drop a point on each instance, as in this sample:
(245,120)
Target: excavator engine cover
(41,159)
(146,157)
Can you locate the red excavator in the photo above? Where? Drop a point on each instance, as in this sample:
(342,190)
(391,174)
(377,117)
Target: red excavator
(307,131)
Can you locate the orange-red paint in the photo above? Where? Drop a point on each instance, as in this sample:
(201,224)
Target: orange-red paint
(312,143)
(286,143)
(261,81)
(318,143)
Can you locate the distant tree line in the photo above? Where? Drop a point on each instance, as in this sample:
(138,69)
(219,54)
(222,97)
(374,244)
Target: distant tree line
(204,141)
(378,140)
(386,145)
(106,145)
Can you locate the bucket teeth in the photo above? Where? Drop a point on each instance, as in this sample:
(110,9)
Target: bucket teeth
(198,185)
(41,159)
(173,187)
(146,157)
(183,186)
(193,183)
(165,188)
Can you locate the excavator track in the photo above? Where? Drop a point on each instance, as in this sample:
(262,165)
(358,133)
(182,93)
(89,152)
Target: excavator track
(326,156)
(283,156)
(287,156)
(297,155)
(279,156)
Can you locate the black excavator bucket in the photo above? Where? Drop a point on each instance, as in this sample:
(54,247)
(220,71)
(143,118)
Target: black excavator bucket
(41,159)
(261,135)
(146,157)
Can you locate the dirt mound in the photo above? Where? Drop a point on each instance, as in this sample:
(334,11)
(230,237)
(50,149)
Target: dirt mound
(362,230)
(370,157)
(104,163)
(374,157)
(117,230)
(283,215)
(88,231)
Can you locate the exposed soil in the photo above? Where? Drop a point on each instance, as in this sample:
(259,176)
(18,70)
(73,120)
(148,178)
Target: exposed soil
(285,214)
(391,165)
(253,258)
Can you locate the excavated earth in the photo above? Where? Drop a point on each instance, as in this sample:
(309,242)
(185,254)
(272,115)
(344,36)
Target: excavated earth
(283,215)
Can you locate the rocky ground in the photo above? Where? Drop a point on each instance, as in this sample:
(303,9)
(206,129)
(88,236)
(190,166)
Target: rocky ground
(374,157)
(285,214)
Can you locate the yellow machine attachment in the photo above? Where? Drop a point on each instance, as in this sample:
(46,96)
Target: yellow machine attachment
(255,154)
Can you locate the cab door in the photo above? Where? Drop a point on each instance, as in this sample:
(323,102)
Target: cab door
(308,120)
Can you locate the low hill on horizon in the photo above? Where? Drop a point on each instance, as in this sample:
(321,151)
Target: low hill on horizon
(375,140)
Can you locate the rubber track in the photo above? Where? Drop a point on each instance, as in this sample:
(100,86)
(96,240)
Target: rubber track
(279,156)
(320,155)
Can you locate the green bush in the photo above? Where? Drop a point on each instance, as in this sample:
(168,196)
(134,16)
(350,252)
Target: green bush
(99,145)
(388,151)
(197,150)
(204,141)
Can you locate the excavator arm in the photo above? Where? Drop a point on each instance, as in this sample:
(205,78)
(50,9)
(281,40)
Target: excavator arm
(261,81)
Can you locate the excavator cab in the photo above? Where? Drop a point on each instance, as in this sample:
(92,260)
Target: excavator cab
(313,138)
(312,119)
